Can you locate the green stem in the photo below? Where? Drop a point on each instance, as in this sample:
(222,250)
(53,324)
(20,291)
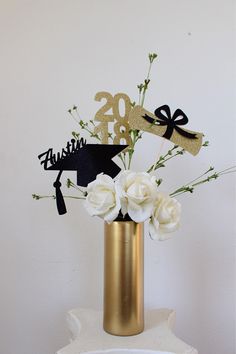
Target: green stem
(190,188)
(122,158)
(84,126)
(208,179)
(226,173)
(92,135)
(163,159)
(146,86)
(75,119)
(142,94)
(227,169)
(37,197)
(176,195)
(73,197)
(69,184)
(203,174)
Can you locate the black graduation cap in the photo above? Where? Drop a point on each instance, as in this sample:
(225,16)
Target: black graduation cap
(87,159)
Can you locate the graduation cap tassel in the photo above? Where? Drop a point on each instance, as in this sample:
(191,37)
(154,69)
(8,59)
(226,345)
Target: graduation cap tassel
(61,206)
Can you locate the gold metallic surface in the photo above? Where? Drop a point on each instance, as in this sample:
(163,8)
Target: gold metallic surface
(123,278)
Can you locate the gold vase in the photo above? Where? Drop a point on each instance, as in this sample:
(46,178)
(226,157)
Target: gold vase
(123,278)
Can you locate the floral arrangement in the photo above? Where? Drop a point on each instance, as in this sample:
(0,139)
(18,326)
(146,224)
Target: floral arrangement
(135,194)
(130,195)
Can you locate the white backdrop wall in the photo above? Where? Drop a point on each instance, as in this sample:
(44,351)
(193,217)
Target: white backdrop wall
(58,53)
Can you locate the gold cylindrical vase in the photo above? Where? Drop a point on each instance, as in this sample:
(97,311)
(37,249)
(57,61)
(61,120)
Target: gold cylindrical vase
(123,278)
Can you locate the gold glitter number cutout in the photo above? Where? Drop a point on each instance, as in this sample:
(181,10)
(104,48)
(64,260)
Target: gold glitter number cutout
(100,116)
(121,126)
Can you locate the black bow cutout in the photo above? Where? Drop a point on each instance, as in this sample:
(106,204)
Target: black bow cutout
(171,122)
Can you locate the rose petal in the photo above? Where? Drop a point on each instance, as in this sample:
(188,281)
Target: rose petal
(153,227)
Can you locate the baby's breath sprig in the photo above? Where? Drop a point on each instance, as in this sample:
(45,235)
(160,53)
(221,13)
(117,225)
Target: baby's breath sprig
(142,89)
(164,158)
(190,186)
(170,155)
(87,126)
(144,86)
(122,157)
(74,113)
(70,184)
(37,196)
(75,135)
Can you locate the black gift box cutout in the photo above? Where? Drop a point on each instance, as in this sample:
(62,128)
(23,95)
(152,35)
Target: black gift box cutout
(88,160)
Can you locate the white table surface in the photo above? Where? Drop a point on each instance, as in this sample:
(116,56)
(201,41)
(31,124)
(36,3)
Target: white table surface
(87,334)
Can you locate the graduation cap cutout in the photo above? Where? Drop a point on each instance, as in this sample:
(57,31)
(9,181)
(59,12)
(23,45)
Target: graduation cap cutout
(87,159)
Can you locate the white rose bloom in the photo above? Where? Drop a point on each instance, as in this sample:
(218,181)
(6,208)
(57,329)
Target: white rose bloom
(102,200)
(137,192)
(165,218)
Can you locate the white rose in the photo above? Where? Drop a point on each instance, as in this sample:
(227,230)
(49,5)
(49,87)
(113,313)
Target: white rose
(101,199)
(137,192)
(165,218)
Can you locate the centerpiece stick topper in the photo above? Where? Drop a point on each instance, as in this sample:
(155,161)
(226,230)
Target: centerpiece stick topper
(87,159)
(161,123)
(110,193)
